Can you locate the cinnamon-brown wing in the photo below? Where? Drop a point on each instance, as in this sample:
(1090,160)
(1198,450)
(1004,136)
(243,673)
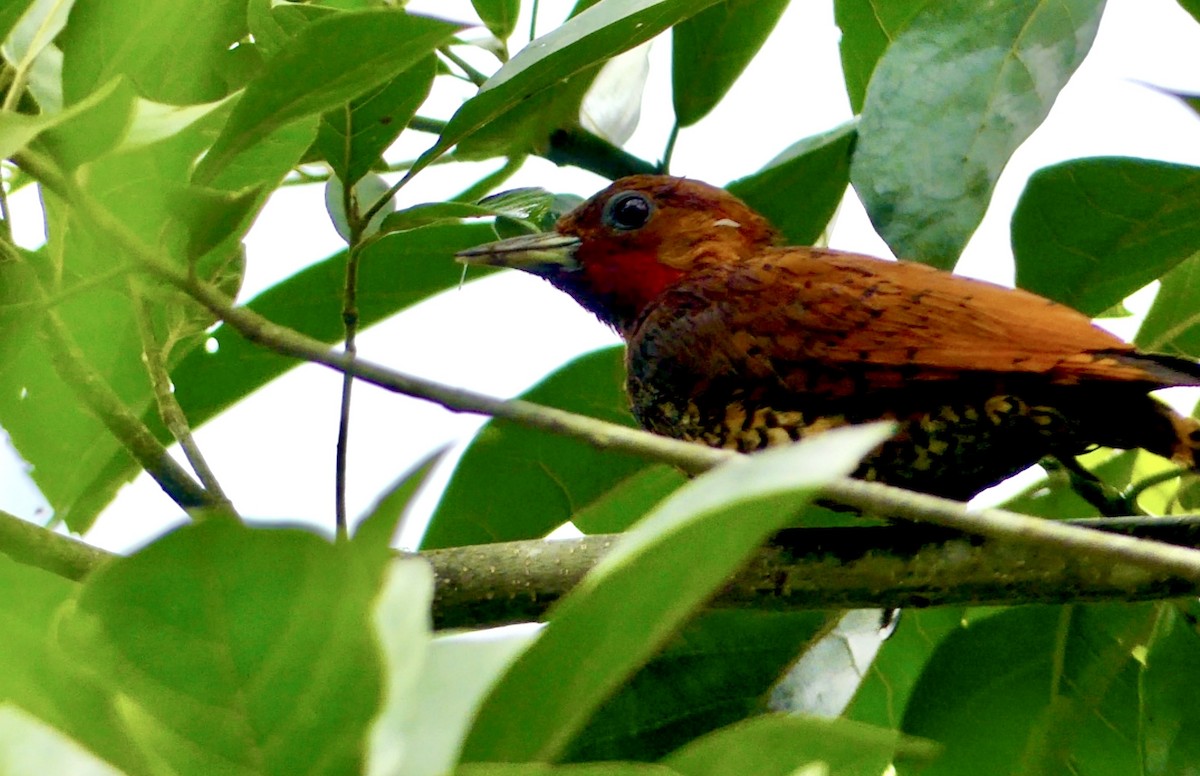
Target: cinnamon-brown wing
(819,320)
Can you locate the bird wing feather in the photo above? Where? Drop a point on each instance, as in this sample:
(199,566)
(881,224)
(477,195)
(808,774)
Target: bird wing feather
(795,312)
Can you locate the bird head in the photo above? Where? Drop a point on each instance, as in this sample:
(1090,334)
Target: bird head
(625,246)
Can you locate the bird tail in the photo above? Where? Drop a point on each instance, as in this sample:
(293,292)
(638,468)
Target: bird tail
(1167,370)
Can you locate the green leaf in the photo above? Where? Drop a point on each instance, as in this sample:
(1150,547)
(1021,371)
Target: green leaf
(717,671)
(627,500)
(584,41)
(960,88)
(710,50)
(1169,734)
(1035,690)
(868,28)
(884,692)
(1173,322)
(518,466)
(782,746)
(36,677)
(328,63)
(1090,232)
(91,127)
(378,525)
(353,138)
(608,626)
(146,40)
(211,216)
(1192,7)
(500,16)
(229,648)
(800,190)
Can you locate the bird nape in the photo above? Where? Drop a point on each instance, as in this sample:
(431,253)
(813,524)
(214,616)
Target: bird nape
(735,341)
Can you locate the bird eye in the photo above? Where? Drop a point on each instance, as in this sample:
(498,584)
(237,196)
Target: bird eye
(627,211)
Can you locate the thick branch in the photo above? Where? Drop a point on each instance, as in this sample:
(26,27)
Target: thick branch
(821,568)
(812,568)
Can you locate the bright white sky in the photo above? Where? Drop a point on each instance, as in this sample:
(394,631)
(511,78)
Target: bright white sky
(274,452)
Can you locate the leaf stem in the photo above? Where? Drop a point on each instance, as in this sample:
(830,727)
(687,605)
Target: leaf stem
(473,75)
(172,414)
(664,166)
(485,185)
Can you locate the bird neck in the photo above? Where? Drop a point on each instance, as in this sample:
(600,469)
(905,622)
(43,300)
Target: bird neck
(619,289)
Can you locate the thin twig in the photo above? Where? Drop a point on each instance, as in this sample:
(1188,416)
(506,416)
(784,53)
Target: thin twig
(95,393)
(1136,489)
(473,75)
(172,414)
(350,325)
(664,166)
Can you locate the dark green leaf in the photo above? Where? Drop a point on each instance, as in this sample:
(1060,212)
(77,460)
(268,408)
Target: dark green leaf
(868,28)
(146,40)
(1192,7)
(229,648)
(710,50)
(1173,323)
(518,466)
(274,25)
(883,694)
(500,16)
(94,131)
(783,746)
(1170,724)
(1090,232)
(1035,690)
(716,671)
(211,216)
(586,40)
(627,500)
(961,87)
(378,525)
(352,138)
(328,63)
(799,190)
(609,627)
